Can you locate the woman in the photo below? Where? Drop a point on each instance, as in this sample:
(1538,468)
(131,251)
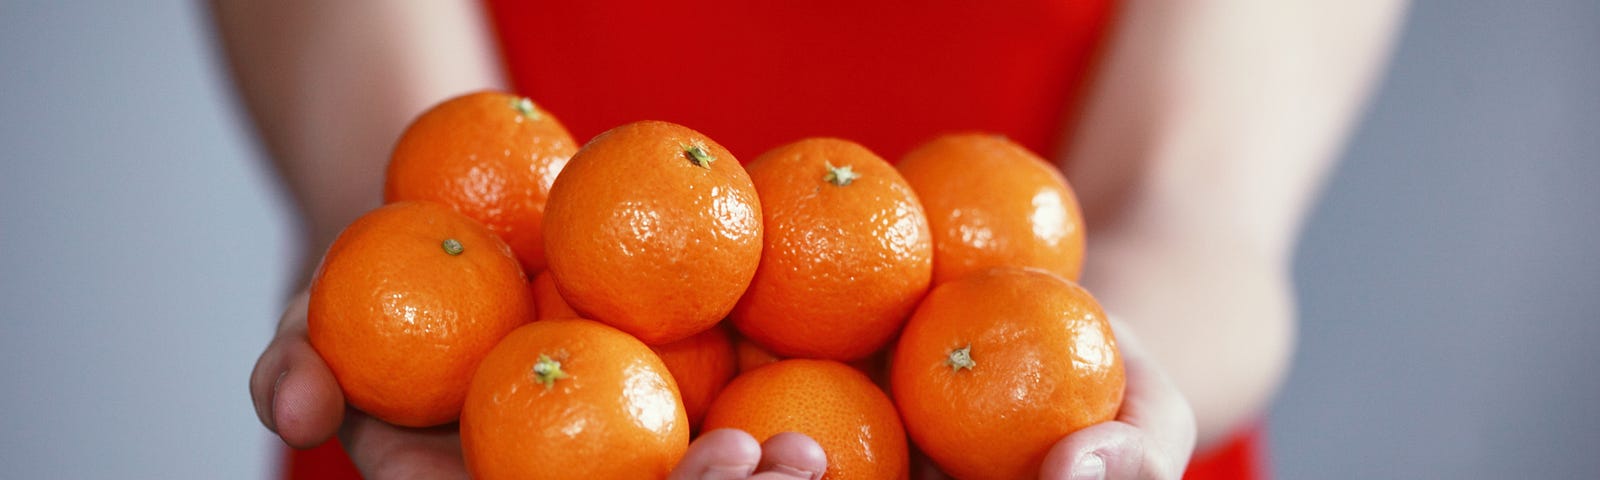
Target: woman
(1195,134)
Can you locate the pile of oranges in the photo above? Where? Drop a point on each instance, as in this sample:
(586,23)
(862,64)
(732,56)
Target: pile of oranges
(582,312)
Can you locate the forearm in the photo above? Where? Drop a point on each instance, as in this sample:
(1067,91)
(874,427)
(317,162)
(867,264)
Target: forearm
(1220,320)
(330,86)
(1201,147)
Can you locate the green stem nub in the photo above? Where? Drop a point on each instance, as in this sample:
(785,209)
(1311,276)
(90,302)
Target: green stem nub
(840,176)
(699,156)
(524,105)
(546,371)
(960,358)
(452,246)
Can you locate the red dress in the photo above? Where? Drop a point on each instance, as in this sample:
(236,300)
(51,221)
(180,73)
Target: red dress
(757,74)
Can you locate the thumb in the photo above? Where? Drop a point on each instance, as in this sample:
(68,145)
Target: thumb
(1152,436)
(1109,450)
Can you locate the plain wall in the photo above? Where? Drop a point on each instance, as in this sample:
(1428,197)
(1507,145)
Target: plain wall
(144,253)
(1449,280)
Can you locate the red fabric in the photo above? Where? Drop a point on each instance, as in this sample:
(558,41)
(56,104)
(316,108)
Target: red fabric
(1242,458)
(325,462)
(757,74)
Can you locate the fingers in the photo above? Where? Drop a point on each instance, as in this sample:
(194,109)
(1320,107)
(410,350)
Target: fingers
(1153,404)
(1107,450)
(791,455)
(728,454)
(382,451)
(722,454)
(295,394)
(1152,437)
(264,381)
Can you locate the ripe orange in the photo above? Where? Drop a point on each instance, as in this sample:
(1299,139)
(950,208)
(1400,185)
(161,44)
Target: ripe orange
(847,252)
(752,356)
(406,301)
(841,409)
(489,155)
(549,301)
(654,229)
(702,364)
(992,203)
(996,367)
(572,398)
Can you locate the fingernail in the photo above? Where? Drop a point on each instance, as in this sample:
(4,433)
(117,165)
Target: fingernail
(272,402)
(1089,467)
(727,472)
(792,471)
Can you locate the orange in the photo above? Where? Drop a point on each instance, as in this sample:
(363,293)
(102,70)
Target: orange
(654,229)
(489,155)
(702,364)
(550,303)
(996,367)
(752,356)
(407,300)
(847,252)
(992,203)
(853,421)
(572,399)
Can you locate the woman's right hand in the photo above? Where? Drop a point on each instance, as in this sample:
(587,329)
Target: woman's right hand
(297,397)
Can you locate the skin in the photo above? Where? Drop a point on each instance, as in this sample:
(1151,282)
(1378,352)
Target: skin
(1195,165)
(1195,169)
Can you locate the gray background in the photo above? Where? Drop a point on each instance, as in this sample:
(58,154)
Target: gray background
(1449,280)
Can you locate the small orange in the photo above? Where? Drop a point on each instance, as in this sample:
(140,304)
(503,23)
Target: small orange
(702,364)
(992,203)
(654,229)
(853,421)
(549,301)
(847,252)
(752,356)
(997,366)
(406,301)
(490,155)
(572,399)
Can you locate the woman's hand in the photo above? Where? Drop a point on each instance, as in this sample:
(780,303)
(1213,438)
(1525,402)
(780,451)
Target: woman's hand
(728,454)
(297,397)
(1151,438)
